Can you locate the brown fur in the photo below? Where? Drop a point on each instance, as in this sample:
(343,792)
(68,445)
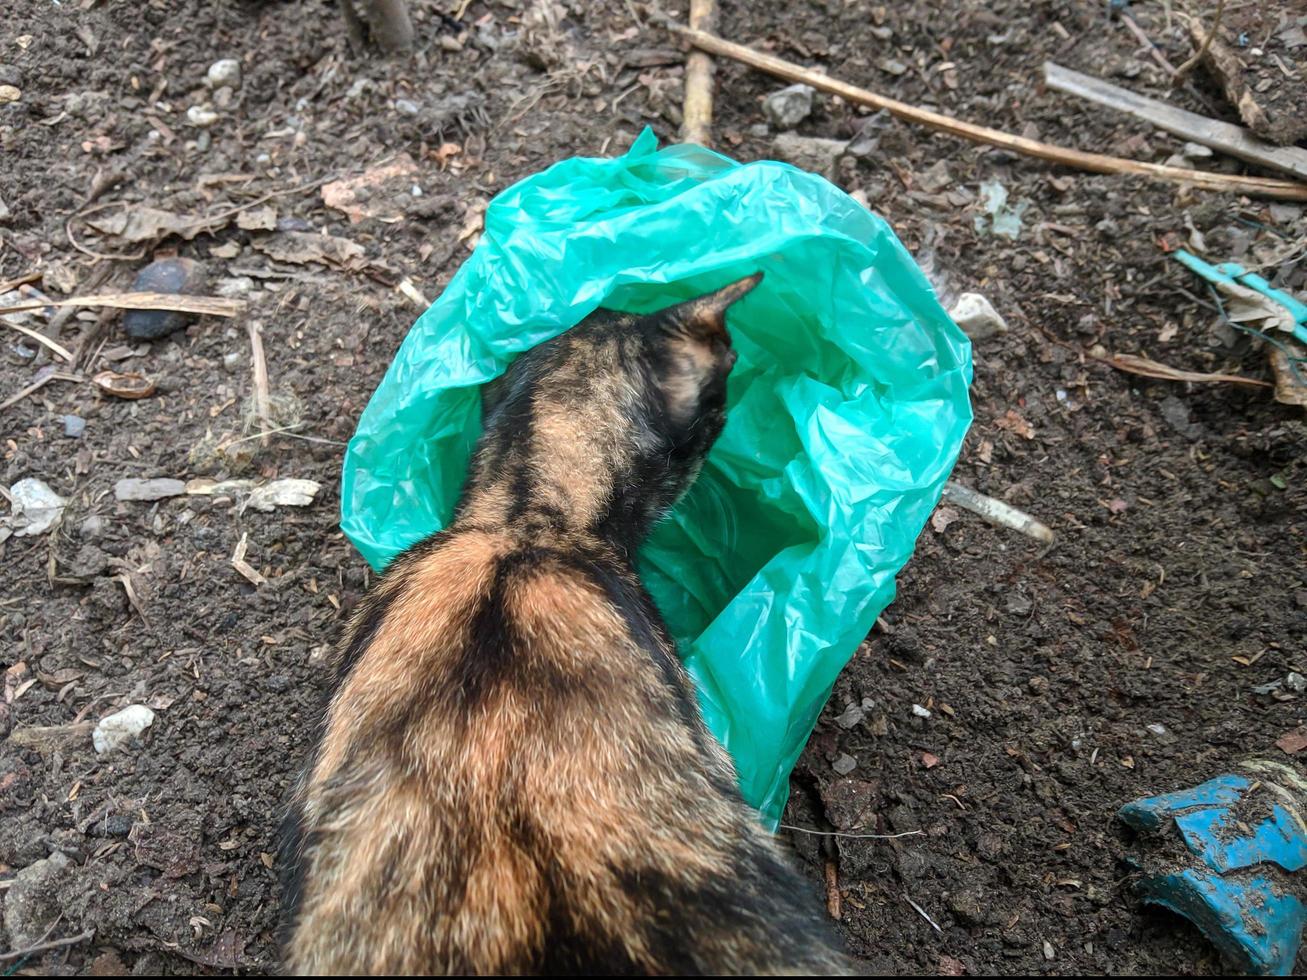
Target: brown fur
(512,775)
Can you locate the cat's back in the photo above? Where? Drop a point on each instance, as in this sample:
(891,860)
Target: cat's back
(506,757)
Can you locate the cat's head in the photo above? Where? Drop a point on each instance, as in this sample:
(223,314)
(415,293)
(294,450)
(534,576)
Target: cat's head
(604,427)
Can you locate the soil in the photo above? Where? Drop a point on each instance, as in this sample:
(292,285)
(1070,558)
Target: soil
(1175,587)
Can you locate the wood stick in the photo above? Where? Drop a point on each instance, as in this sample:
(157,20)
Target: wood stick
(1228,138)
(259,368)
(696,126)
(18,954)
(996,512)
(1286,190)
(209,305)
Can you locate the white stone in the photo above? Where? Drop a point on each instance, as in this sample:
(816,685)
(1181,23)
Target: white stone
(789,106)
(201,116)
(115,729)
(226,71)
(977,317)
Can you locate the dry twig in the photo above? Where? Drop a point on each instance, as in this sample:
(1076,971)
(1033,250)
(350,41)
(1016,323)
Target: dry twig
(1288,190)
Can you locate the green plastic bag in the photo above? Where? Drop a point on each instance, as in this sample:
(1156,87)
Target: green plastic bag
(846,413)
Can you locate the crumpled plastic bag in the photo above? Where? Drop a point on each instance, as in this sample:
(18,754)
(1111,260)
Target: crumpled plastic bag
(846,413)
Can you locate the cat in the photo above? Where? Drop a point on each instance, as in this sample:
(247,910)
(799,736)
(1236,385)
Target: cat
(512,775)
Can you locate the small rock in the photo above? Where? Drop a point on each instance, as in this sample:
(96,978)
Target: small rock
(1018,604)
(1196,151)
(9,93)
(36,508)
(178,276)
(892,66)
(1157,729)
(789,106)
(226,71)
(759,131)
(92,527)
(201,116)
(852,716)
(935,178)
(133,488)
(977,317)
(222,97)
(10,75)
(1295,682)
(845,764)
(406,107)
(31,903)
(920,712)
(1176,412)
(231,362)
(234,287)
(74,426)
(810,152)
(117,728)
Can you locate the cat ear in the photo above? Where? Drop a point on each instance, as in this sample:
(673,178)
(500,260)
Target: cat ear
(696,347)
(705,317)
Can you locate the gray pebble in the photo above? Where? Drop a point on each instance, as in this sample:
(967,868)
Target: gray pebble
(74,426)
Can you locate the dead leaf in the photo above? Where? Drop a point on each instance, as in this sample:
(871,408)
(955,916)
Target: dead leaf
(57,679)
(1168,332)
(474,220)
(364,196)
(1014,423)
(1289,389)
(1292,742)
(951,967)
(301,247)
(142,224)
(1132,364)
(257,219)
(942,518)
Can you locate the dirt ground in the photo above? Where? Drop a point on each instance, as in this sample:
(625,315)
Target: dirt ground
(1175,587)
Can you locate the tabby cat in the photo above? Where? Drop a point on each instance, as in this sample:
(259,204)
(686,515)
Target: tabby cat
(512,775)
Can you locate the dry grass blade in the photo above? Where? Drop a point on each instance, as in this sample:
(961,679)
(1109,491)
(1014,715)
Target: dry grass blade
(1142,366)
(40,338)
(208,305)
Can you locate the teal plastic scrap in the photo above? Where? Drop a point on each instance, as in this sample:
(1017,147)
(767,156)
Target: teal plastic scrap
(1249,920)
(846,412)
(1231,273)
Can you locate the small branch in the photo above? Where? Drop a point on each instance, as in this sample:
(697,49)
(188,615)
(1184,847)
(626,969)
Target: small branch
(696,126)
(1287,190)
(996,512)
(18,954)
(1198,55)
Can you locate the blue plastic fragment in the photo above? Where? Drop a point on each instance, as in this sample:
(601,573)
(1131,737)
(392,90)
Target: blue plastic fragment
(1215,836)
(1152,812)
(1253,925)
